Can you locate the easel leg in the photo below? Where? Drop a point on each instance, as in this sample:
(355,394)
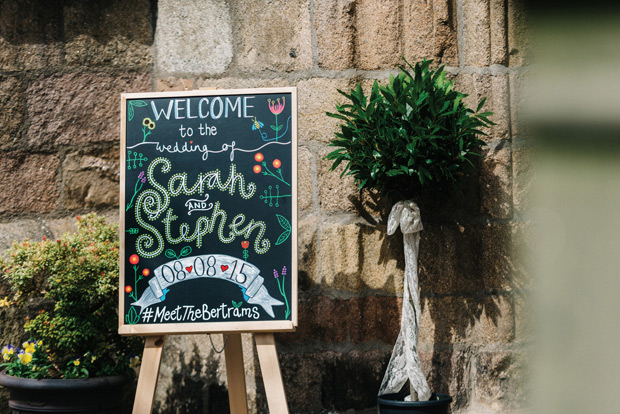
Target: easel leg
(235,373)
(272,377)
(149,370)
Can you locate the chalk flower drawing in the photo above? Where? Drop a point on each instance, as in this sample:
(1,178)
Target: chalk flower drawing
(276,107)
(147,126)
(131,105)
(139,183)
(281,288)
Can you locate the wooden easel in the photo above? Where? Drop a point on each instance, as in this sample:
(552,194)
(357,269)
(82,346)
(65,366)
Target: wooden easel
(235,373)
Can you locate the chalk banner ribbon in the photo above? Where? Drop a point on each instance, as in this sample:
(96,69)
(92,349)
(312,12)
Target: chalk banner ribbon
(213,266)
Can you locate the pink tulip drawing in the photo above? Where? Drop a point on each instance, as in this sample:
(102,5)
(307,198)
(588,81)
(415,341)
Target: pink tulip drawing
(276,108)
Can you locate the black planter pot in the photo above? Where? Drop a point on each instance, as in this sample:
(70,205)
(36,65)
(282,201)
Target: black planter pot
(394,404)
(102,395)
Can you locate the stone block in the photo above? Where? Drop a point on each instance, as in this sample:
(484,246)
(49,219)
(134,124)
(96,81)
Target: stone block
(333,380)
(357,320)
(193,37)
(495,89)
(16,231)
(496,180)
(472,258)
(242,83)
(429,31)
(356,258)
(316,97)
(519,93)
(519,34)
(522,174)
(500,381)
(272,36)
(447,371)
(112,33)
(484,32)
(78,108)
(378,43)
(334,24)
(31,35)
(11,111)
(171,83)
(91,181)
(29,182)
(471,320)
(305,178)
(335,192)
(307,252)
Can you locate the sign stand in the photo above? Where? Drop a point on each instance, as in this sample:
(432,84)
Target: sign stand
(235,374)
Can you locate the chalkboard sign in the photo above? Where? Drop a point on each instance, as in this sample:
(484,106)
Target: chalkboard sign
(208,211)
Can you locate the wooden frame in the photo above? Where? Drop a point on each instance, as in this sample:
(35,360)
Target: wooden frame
(210,327)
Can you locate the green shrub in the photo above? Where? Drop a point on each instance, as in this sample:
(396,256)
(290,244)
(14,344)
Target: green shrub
(78,276)
(413,132)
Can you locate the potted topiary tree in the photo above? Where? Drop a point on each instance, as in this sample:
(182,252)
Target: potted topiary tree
(74,361)
(412,134)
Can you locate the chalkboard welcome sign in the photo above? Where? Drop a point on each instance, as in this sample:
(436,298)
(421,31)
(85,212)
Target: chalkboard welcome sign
(208,211)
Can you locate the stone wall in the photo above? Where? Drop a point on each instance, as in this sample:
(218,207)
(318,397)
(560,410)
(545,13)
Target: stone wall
(63,65)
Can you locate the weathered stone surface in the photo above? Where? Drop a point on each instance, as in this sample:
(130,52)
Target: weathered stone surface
(91,181)
(307,253)
(496,180)
(16,231)
(112,33)
(447,371)
(30,35)
(242,82)
(316,97)
(346,321)
(495,89)
(335,192)
(11,110)
(273,35)
(500,381)
(334,23)
(193,37)
(465,258)
(522,173)
(378,43)
(305,178)
(29,182)
(78,108)
(467,320)
(356,258)
(519,85)
(519,36)
(333,380)
(171,83)
(484,32)
(429,31)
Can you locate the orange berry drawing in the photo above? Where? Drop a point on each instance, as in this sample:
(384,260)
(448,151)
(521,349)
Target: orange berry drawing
(277,163)
(146,272)
(128,289)
(259,157)
(257,169)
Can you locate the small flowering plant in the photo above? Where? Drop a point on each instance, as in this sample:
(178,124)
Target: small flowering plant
(74,281)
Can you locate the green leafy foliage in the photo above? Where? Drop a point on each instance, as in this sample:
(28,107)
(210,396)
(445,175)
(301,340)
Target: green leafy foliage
(79,275)
(412,133)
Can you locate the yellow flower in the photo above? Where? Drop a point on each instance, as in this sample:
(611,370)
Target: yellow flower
(134,361)
(7,352)
(25,357)
(76,362)
(29,347)
(5,302)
